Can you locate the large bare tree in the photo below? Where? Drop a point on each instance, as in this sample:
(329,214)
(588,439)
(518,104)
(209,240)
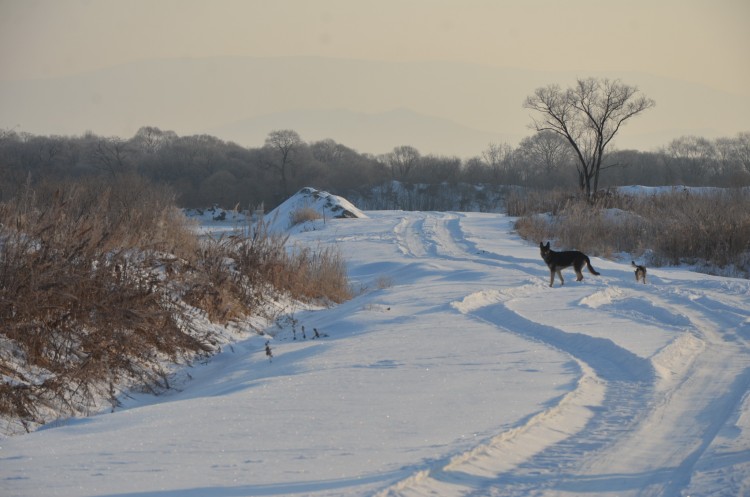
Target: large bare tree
(588,116)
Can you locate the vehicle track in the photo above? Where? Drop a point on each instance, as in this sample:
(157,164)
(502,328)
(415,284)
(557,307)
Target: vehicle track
(621,400)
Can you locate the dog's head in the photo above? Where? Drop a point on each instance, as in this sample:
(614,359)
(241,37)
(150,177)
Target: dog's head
(544,250)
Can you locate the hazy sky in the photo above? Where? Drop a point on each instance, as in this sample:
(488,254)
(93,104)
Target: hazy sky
(701,41)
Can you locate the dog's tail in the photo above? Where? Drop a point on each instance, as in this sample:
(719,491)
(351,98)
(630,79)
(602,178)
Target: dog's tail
(591,268)
(632,263)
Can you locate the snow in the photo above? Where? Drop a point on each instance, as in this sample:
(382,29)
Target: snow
(638,190)
(327,205)
(454,371)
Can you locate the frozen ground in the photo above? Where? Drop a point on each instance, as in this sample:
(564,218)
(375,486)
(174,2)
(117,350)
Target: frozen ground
(456,371)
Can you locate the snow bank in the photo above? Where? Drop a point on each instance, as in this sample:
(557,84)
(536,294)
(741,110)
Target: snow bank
(638,190)
(326,205)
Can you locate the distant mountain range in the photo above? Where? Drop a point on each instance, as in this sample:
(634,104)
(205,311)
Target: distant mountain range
(442,108)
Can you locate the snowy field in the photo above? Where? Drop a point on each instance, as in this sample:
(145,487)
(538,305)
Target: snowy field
(455,371)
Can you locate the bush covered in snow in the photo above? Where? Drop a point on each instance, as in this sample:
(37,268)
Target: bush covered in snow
(100,285)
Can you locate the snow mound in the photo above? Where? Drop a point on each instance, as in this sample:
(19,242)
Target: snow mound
(323,204)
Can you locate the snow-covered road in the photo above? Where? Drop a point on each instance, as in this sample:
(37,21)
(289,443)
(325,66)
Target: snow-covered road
(456,371)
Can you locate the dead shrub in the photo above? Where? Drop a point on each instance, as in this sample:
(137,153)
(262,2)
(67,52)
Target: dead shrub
(711,228)
(83,298)
(538,227)
(96,284)
(303,215)
(236,274)
(525,202)
(317,275)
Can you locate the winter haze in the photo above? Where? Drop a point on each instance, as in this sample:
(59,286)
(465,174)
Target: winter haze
(447,77)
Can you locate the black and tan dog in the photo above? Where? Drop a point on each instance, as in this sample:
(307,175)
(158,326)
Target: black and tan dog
(557,261)
(640,272)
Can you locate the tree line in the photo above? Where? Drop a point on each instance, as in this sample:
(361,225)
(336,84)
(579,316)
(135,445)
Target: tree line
(203,170)
(571,148)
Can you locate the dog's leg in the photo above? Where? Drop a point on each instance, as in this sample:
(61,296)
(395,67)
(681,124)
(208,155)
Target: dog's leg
(551,277)
(559,273)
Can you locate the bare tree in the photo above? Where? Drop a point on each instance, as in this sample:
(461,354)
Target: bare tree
(436,169)
(697,156)
(284,142)
(402,161)
(588,116)
(498,160)
(110,155)
(329,152)
(740,150)
(544,155)
(150,139)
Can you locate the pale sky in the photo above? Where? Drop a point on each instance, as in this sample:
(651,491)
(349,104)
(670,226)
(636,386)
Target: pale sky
(701,41)
(706,42)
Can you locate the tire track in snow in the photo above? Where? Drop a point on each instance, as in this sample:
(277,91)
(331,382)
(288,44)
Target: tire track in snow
(443,238)
(430,234)
(705,397)
(439,235)
(532,456)
(632,426)
(409,235)
(703,380)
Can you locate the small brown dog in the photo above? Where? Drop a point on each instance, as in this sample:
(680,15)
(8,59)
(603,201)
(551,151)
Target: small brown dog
(640,272)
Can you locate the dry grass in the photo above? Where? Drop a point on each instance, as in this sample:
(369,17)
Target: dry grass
(76,302)
(94,279)
(240,273)
(707,228)
(318,275)
(236,274)
(519,203)
(303,215)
